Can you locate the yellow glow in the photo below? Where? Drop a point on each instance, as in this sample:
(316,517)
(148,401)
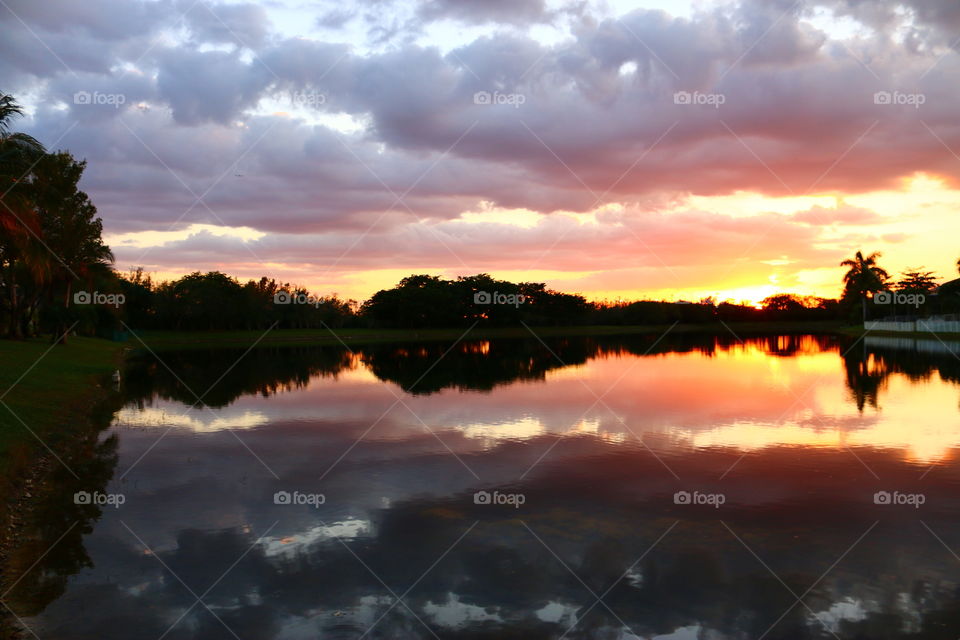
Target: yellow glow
(491,434)
(158,238)
(487,214)
(745,203)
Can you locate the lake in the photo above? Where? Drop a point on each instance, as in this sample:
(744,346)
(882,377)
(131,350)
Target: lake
(672,487)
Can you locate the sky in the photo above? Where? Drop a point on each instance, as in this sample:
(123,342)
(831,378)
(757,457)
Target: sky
(622,150)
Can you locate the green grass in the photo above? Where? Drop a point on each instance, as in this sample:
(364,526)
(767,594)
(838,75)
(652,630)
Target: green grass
(166,340)
(49,394)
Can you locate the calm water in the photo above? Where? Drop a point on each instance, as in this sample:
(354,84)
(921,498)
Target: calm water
(688,488)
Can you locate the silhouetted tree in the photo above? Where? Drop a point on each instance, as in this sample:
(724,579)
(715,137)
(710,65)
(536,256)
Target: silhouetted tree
(72,233)
(863,276)
(917,281)
(782,303)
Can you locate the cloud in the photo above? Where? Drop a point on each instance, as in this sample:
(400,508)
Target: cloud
(209,86)
(846,215)
(244,25)
(336,18)
(500,11)
(105,20)
(664,250)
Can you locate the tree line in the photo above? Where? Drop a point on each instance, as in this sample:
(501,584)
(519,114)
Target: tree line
(216,301)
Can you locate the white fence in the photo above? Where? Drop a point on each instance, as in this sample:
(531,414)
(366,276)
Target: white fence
(923,326)
(939,326)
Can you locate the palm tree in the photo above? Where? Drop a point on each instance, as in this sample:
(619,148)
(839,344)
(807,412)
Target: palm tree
(863,276)
(18,154)
(14,144)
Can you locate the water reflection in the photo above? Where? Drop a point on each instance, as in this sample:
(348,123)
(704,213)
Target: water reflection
(797,432)
(48,547)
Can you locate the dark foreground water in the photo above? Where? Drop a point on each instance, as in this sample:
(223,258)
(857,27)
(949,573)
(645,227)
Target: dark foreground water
(784,487)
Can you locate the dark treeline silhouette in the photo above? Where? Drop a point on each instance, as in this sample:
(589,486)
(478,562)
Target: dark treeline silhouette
(431,301)
(209,301)
(214,300)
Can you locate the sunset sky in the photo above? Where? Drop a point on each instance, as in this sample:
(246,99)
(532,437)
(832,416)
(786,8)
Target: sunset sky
(663,149)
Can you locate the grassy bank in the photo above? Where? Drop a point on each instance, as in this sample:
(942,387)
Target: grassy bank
(166,340)
(48,391)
